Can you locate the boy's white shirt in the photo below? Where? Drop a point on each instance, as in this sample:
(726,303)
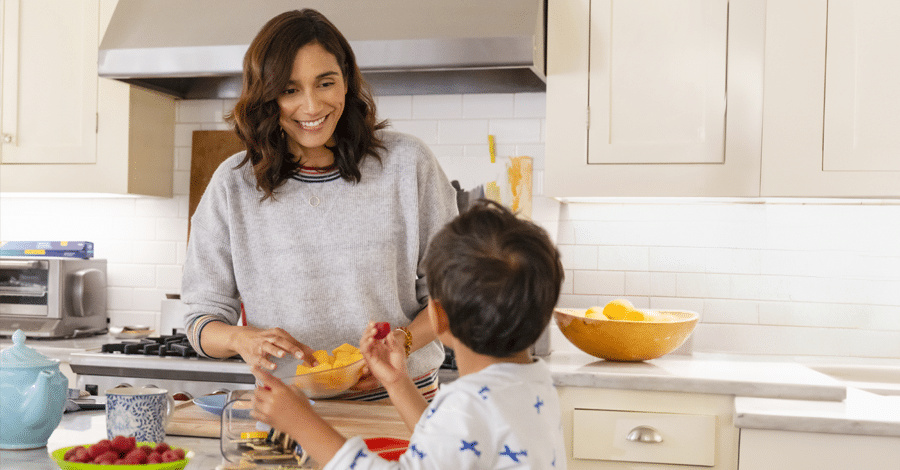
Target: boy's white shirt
(504,416)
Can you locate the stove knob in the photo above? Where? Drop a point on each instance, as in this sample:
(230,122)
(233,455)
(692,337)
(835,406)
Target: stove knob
(123,385)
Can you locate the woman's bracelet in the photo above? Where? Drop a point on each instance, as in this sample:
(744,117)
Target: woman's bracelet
(408,344)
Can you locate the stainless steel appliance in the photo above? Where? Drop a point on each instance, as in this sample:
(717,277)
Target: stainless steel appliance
(52,297)
(166,361)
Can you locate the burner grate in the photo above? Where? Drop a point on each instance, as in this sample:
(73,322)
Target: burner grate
(163,346)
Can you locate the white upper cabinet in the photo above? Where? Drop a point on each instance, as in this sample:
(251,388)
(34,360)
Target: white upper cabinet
(49,81)
(831,126)
(657,81)
(64,129)
(654,98)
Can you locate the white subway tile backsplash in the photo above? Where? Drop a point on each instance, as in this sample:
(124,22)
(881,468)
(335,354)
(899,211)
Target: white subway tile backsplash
(663,284)
(119,298)
(437,106)
(530,105)
(156,253)
(156,207)
(472,131)
(181,184)
(677,303)
(427,130)
(172,229)
(200,111)
(131,275)
(567,284)
(578,301)
(488,105)
(168,277)
(691,285)
(812,314)
(742,312)
(394,107)
(182,159)
(637,283)
(184,133)
(579,257)
(511,131)
(598,283)
(867,343)
(148,299)
(624,258)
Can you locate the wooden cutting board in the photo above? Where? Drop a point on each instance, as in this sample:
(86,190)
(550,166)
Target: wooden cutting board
(350,418)
(208,150)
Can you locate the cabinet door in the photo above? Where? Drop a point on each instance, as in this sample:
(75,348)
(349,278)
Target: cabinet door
(636,97)
(781,450)
(830,122)
(49,81)
(657,81)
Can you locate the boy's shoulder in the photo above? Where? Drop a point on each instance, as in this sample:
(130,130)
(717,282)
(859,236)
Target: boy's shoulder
(499,378)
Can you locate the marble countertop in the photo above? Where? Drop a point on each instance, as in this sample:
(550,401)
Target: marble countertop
(861,413)
(698,373)
(771,392)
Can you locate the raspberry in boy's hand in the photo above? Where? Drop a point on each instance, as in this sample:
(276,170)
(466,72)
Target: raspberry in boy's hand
(382,329)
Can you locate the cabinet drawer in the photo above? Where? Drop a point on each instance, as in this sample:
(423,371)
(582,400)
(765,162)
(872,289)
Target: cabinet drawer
(603,435)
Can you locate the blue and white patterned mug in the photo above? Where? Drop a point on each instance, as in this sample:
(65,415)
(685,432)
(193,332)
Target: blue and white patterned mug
(139,412)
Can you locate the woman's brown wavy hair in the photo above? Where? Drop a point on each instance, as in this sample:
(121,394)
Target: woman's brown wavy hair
(267,70)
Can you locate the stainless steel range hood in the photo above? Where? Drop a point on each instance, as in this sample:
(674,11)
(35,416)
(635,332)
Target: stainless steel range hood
(194,48)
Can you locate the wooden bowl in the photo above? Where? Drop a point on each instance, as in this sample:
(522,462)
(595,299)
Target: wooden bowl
(623,340)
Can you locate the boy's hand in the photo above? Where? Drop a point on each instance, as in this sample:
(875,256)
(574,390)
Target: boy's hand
(277,404)
(385,357)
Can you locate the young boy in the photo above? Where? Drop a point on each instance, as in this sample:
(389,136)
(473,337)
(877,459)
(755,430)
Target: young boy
(494,280)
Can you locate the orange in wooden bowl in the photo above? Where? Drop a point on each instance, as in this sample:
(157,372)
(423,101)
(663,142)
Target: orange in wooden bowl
(661,332)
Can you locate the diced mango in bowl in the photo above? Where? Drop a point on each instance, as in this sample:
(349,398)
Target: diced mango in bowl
(337,371)
(340,356)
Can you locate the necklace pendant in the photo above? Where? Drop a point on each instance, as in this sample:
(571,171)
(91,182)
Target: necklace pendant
(314,201)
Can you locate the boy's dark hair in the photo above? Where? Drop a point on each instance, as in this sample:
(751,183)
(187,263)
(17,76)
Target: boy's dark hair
(498,278)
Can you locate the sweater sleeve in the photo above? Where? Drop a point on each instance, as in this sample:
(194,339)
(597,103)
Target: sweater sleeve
(208,282)
(437,207)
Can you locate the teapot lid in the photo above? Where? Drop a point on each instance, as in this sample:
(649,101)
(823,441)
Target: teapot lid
(19,355)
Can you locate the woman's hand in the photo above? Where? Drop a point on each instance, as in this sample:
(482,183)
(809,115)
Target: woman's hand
(385,358)
(276,404)
(257,346)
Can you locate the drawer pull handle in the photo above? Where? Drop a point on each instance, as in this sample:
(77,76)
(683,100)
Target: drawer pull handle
(645,434)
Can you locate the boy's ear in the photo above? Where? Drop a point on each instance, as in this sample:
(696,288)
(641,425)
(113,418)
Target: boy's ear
(441,324)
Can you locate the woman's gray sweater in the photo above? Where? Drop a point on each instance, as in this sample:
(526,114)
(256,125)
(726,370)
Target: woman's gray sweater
(320,272)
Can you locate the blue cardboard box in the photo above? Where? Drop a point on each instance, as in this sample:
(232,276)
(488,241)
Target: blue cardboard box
(64,249)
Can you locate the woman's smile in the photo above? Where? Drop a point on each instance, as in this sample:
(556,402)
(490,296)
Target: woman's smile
(312,125)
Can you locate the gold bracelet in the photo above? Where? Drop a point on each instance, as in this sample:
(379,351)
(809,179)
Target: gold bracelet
(408,344)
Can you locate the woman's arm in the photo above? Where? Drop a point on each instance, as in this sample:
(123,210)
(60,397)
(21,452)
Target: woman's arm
(419,329)
(255,346)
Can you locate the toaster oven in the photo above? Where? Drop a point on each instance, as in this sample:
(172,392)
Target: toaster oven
(52,297)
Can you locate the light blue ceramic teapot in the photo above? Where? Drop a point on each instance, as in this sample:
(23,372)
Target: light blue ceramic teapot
(32,396)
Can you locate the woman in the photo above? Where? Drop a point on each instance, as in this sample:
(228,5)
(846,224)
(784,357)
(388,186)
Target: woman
(320,227)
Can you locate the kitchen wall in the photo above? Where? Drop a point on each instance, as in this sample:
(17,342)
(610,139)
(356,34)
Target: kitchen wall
(786,277)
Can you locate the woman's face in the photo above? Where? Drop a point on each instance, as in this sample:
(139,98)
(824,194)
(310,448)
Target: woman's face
(312,103)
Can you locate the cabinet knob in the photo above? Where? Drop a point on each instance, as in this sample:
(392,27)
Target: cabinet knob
(645,434)
(7,139)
